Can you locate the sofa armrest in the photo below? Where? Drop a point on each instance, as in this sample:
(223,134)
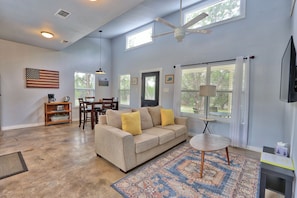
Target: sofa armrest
(115,145)
(181,120)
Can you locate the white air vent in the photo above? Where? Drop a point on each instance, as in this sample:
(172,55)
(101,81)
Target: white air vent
(62,13)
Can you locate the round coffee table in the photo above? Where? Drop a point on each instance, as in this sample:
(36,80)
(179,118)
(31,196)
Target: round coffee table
(209,142)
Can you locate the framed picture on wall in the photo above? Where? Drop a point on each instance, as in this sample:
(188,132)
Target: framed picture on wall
(169,79)
(134,81)
(103,82)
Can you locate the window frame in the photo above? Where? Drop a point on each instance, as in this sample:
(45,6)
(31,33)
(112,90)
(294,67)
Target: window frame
(93,89)
(204,4)
(207,81)
(126,90)
(137,31)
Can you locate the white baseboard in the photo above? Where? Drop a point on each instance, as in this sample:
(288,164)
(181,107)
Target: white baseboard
(21,126)
(254,148)
(6,128)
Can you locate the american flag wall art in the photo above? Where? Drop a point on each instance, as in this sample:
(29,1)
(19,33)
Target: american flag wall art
(39,78)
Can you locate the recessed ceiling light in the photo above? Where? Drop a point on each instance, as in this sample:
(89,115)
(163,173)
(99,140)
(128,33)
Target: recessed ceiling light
(93,0)
(47,34)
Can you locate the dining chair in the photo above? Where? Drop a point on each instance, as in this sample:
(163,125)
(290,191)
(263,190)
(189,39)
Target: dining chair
(90,98)
(107,103)
(97,109)
(84,112)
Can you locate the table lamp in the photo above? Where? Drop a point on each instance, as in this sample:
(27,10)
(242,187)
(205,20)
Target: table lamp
(207,91)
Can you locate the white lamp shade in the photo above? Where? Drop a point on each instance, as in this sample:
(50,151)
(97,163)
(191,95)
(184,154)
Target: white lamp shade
(207,90)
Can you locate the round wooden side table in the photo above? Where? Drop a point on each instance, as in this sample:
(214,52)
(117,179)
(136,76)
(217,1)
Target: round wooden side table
(209,142)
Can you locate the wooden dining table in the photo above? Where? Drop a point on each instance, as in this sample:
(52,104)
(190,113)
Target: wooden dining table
(93,110)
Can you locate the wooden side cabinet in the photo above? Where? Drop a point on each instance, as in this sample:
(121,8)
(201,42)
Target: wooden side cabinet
(57,113)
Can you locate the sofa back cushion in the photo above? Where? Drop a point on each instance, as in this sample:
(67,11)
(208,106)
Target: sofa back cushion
(113,117)
(146,119)
(155,114)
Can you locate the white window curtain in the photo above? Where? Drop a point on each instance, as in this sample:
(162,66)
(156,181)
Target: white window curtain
(177,90)
(240,104)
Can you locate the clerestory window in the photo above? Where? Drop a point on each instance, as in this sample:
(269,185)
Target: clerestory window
(139,37)
(219,11)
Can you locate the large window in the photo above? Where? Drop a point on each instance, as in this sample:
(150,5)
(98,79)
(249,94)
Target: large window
(219,75)
(84,85)
(124,90)
(219,11)
(139,37)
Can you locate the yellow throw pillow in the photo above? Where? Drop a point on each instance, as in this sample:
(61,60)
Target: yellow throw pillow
(167,117)
(131,123)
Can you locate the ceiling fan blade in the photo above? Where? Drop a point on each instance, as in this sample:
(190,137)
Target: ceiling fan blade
(165,22)
(195,20)
(163,34)
(202,31)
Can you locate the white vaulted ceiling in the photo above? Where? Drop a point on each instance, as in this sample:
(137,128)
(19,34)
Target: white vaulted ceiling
(23,20)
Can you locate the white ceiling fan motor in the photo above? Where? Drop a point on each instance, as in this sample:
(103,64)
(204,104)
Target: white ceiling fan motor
(179,34)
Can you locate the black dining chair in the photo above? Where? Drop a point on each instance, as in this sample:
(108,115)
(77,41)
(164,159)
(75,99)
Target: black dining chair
(97,108)
(84,112)
(107,103)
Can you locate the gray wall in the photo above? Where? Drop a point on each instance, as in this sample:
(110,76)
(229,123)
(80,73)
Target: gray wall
(263,33)
(24,107)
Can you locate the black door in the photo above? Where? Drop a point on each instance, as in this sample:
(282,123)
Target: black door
(150,89)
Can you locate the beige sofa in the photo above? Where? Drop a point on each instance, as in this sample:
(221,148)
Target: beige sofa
(127,151)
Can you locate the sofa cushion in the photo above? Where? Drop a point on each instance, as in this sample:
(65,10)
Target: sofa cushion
(145,142)
(155,114)
(176,128)
(113,117)
(146,119)
(131,123)
(167,117)
(164,135)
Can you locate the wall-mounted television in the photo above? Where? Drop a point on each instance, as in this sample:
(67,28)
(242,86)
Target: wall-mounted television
(288,84)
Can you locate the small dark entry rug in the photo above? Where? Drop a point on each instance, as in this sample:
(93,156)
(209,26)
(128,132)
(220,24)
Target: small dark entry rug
(176,174)
(12,164)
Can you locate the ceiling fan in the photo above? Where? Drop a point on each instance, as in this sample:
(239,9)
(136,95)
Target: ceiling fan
(180,31)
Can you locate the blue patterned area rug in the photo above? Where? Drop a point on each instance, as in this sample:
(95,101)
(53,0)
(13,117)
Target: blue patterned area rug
(176,174)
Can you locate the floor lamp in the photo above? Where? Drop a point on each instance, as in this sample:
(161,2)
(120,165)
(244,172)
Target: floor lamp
(207,91)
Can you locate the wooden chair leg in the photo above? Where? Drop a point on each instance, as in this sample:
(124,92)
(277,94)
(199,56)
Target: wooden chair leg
(85,119)
(96,116)
(79,118)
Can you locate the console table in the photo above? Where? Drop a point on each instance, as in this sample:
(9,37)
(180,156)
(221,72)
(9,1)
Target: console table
(275,178)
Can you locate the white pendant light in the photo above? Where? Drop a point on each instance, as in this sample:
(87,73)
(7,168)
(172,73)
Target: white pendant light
(100,71)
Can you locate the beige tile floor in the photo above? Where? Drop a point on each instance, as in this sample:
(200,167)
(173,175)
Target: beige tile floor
(62,163)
